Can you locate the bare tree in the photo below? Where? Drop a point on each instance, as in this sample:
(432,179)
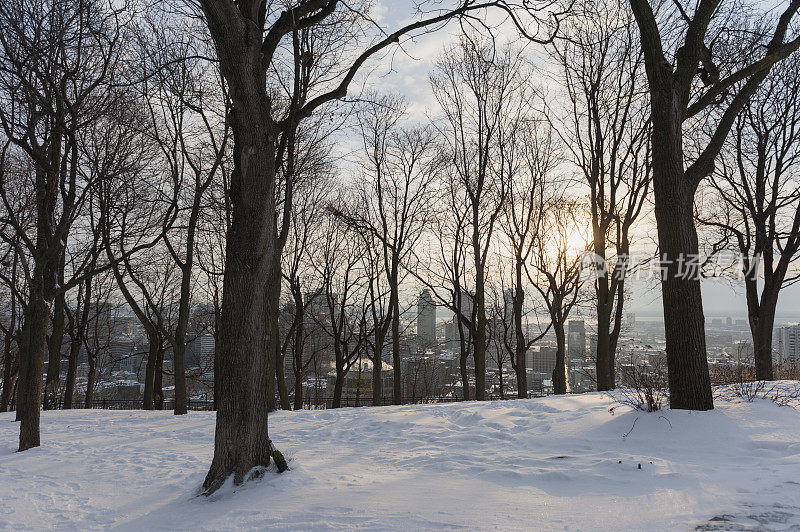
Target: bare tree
(442,267)
(313,191)
(529,155)
(11,277)
(605,127)
(755,201)
(392,206)
(247,36)
(684,85)
(343,297)
(57,58)
(187,108)
(480,90)
(555,271)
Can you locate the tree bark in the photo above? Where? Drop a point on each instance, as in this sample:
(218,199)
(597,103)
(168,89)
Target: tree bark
(88,401)
(34,334)
(520,341)
(684,322)
(397,383)
(158,380)
(338,386)
(8,377)
(560,371)
(762,321)
(377,370)
(604,363)
(297,346)
(153,348)
(280,377)
(463,356)
(5,398)
(246,340)
(54,353)
(479,334)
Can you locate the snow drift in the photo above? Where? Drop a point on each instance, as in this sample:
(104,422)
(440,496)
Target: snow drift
(553,463)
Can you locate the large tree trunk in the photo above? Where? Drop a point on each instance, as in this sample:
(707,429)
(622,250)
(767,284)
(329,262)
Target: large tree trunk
(250,287)
(280,377)
(684,322)
(72,369)
(377,369)
(762,321)
(32,354)
(179,345)
(88,400)
(479,347)
(338,387)
(560,371)
(397,382)
(603,355)
(297,347)
(54,353)
(463,356)
(5,398)
(8,378)
(520,341)
(153,348)
(158,380)
(603,308)
(479,335)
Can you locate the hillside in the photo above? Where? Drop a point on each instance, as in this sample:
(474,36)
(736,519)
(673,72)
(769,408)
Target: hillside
(554,464)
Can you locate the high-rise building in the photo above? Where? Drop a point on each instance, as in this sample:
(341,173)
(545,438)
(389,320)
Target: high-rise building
(787,343)
(205,346)
(576,339)
(466,304)
(451,332)
(541,361)
(426,318)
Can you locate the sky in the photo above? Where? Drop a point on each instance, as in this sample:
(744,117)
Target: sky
(406,71)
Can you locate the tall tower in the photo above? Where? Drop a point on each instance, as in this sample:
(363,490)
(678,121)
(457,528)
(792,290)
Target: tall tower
(426,318)
(576,339)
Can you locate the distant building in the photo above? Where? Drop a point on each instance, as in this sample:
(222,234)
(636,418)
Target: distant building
(466,304)
(358,381)
(541,361)
(451,333)
(204,349)
(728,321)
(787,344)
(124,356)
(576,339)
(426,318)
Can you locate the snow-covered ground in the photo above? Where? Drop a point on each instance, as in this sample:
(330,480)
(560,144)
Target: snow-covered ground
(559,463)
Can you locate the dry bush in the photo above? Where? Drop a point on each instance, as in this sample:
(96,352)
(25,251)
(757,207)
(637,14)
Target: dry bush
(644,386)
(737,381)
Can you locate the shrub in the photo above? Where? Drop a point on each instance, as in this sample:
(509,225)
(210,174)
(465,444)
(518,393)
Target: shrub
(644,385)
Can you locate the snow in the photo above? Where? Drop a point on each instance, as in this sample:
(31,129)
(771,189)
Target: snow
(555,463)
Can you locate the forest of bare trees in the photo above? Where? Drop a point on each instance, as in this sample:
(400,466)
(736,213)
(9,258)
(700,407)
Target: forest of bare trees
(231,170)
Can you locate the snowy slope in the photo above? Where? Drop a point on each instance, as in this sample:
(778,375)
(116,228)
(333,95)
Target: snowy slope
(549,464)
